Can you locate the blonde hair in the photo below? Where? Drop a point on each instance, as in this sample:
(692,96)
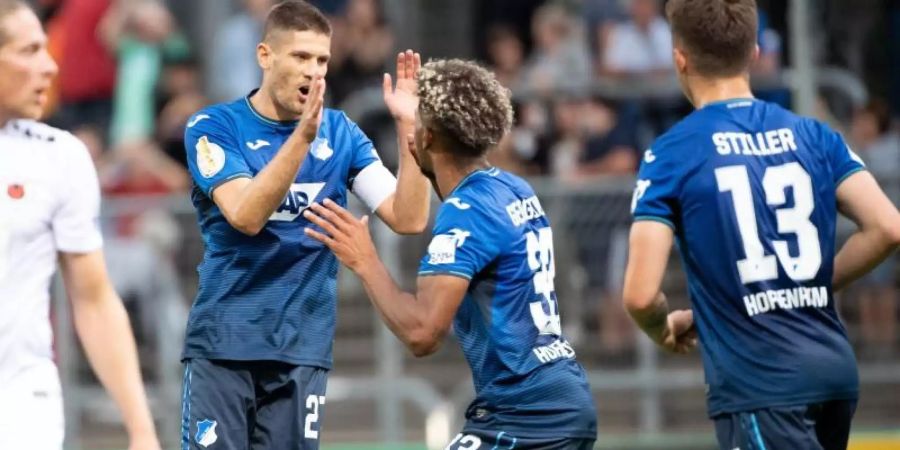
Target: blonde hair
(466,102)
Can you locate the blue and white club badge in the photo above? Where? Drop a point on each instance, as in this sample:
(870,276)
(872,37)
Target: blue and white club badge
(206,432)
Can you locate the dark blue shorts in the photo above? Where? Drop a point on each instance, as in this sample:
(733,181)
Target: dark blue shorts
(819,426)
(483,440)
(250,405)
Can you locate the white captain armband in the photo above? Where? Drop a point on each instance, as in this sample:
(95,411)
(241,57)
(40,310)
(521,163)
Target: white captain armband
(374,184)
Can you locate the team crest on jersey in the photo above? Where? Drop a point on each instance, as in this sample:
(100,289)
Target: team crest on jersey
(15,191)
(442,249)
(321,150)
(206,432)
(298,198)
(210,157)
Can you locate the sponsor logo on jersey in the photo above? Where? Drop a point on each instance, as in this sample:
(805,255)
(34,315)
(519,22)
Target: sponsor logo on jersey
(210,157)
(206,432)
(321,150)
(458,203)
(15,191)
(649,157)
(442,249)
(258,144)
(197,120)
(298,198)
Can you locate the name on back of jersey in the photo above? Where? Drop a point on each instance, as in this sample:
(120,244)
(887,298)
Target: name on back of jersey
(297,199)
(772,142)
(521,211)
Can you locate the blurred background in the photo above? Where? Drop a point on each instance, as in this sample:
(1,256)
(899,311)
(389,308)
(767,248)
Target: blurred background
(592,85)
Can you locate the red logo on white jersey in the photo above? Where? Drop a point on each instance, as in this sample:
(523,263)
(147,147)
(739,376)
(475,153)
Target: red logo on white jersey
(15,191)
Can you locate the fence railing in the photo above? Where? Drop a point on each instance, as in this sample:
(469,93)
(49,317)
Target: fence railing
(590,221)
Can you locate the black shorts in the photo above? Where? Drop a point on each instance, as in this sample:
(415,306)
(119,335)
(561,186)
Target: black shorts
(250,405)
(818,426)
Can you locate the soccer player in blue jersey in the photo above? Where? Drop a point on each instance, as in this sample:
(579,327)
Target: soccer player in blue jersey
(751,193)
(489,271)
(259,336)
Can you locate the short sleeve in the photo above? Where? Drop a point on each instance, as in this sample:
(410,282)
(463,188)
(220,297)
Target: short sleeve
(76,227)
(213,151)
(363,151)
(843,160)
(466,239)
(657,188)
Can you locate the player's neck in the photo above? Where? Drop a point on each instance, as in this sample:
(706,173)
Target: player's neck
(265,105)
(452,173)
(711,90)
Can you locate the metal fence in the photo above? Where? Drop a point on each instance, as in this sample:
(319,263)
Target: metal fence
(377,393)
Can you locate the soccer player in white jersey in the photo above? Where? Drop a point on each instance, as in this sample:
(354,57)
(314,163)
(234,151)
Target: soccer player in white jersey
(49,205)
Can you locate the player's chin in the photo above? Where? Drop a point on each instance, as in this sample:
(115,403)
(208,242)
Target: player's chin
(33,111)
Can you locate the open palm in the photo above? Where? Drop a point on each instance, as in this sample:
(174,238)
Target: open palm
(402,100)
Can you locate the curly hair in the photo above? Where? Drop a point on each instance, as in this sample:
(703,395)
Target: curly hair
(466,102)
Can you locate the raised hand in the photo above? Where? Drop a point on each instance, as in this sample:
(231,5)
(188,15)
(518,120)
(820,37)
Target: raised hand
(402,100)
(312,111)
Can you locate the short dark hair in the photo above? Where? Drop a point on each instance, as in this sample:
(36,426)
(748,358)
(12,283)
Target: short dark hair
(296,15)
(8,7)
(719,36)
(465,103)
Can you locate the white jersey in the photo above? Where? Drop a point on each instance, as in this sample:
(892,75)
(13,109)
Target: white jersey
(49,203)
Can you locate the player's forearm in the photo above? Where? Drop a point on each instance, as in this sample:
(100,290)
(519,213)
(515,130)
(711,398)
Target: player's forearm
(413,196)
(400,310)
(861,253)
(103,327)
(650,315)
(267,190)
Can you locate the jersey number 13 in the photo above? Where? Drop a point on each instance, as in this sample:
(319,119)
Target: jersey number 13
(757,265)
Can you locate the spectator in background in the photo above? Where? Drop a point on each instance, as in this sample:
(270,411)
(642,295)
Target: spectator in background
(879,147)
(142,33)
(640,46)
(87,65)
(560,60)
(506,54)
(601,17)
(234,52)
(179,95)
(767,69)
(362,43)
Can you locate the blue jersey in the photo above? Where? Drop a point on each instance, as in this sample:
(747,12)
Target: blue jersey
(492,231)
(749,190)
(271,296)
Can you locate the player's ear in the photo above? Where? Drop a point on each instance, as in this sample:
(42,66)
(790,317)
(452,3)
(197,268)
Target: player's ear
(427,138)
(680,60)
(264,55)
(756,53)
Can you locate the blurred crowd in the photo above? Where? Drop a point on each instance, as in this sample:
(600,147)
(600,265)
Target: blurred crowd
(592,83)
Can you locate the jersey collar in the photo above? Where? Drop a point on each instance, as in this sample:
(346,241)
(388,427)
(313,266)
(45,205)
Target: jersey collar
(491,170)
(730,101)
(264,119)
